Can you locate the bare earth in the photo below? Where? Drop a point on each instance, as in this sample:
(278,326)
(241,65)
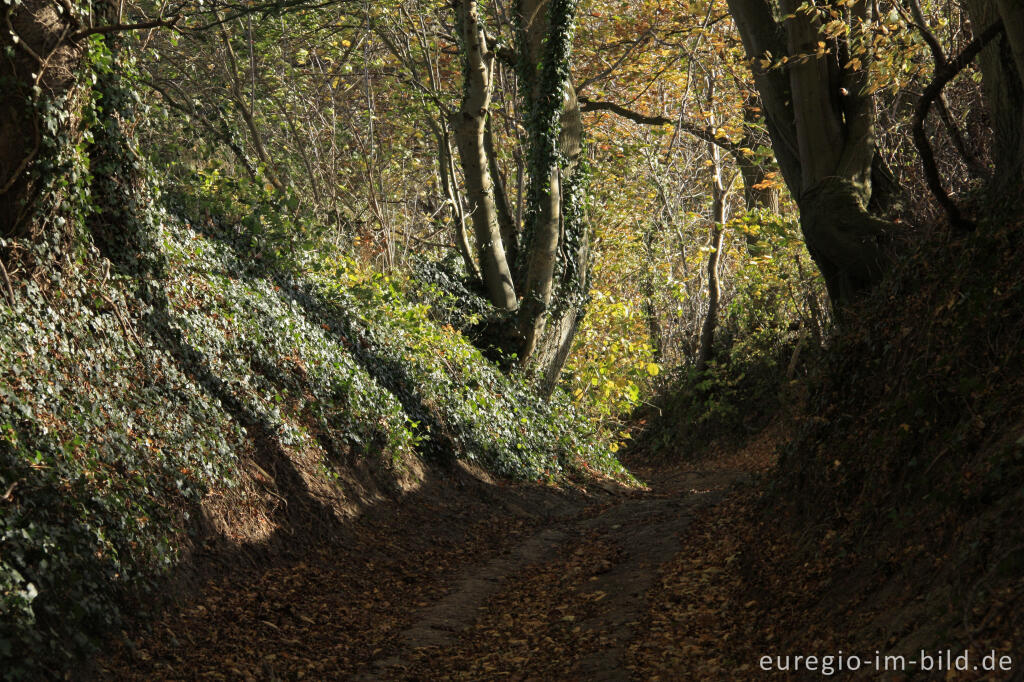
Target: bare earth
(464,580)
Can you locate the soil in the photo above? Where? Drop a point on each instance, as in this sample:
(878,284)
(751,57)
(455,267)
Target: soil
(463,579)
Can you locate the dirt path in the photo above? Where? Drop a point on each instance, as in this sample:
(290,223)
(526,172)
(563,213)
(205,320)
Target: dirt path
(516,583)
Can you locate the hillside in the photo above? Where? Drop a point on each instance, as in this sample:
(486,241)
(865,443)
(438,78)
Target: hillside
(229,404)
(890,524)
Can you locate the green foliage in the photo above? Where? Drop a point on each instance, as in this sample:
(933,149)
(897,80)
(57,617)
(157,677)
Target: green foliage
(119,413)
(772,324)
(442,286)
(613,364)
(103,446)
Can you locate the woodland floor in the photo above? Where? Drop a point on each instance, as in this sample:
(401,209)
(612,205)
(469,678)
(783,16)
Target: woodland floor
(488,582)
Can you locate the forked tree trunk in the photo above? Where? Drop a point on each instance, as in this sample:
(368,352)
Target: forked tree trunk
(545,44)
(550,244)
(470,127)
(821,122)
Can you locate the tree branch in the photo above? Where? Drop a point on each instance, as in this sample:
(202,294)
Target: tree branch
(120,28)
(943,74)
(706,133)
(640,41)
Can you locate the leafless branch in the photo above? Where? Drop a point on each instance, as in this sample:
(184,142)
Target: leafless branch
(943,74)
(172,22)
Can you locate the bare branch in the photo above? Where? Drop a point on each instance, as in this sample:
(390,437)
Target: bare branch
(706,133)
(122,28)
(943,75)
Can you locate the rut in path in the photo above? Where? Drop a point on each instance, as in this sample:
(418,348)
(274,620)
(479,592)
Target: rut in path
(518,583)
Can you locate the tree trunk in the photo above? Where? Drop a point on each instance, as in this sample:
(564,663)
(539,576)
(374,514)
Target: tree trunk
(822,123)
(1002,69)
(1012,14)
(547,286)
(649,306)
(446,172)
(507,224)
(554,349)
(718,217)
(38,69)
(470,127)
(835,136)
(545,45)
(756,193)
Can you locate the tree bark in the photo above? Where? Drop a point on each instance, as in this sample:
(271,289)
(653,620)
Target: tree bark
(1002,70)
(649,306)
(507,224)
(554,349)
(38,62)
(1012,14)
(822,124)
(718,218)
(446,172)
(545,43)
(469,125)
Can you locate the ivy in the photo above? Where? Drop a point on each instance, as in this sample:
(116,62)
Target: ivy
(543,80)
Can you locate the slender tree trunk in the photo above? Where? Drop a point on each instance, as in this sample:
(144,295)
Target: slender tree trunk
(649,306)
(449,186)
(540,271)
(718,217)
(507,224)
(470,127)
(245,110)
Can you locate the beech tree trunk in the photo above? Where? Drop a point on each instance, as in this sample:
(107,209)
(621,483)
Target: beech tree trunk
(470,128)
(822,129)
(533,261)
(544,104)
(1002,69)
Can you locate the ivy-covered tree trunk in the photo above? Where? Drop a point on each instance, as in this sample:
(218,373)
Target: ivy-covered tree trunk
(554,245)
(40,111)
(822,125)
(546,284)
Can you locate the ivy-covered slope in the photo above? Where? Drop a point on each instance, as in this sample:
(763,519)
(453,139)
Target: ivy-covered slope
(137,415)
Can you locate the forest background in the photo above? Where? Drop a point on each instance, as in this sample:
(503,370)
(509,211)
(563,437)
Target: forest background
(489,228)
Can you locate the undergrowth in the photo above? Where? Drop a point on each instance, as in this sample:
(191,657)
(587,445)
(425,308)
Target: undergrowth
(770,334)
(903,482)
(124,405)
